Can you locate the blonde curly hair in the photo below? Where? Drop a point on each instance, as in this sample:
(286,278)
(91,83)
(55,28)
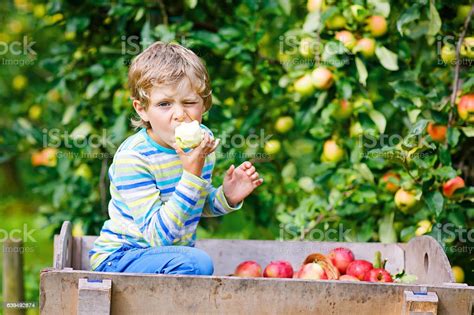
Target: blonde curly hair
(166,63)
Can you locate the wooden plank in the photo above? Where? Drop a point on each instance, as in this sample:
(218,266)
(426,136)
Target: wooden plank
(94,297)
(178,294)
(63,247)
(76,255)
(424,302)
(87,245)
(12,286)
(426,259)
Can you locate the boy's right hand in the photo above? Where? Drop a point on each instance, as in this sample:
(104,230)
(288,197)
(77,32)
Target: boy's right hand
(193,161)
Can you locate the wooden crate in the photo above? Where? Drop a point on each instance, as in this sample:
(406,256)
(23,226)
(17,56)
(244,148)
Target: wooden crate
(70,287)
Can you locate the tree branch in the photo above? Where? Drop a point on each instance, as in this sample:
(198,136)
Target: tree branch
(458,66)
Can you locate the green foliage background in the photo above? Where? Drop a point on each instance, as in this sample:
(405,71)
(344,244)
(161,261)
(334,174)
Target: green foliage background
(74,86)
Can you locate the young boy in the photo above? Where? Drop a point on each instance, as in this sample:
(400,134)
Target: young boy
(159,192)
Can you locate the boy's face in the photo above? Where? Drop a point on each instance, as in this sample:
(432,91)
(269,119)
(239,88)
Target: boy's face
(169,106)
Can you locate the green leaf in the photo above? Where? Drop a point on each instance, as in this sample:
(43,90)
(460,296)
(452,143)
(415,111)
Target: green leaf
(413,115)
(191,3)
(435,20)
(379,119)
(362,70)
(69,113)
(410,15)
(119,129)
(453,136)
(391,154)
(381,7)
(407,88)
(418,128)
(312,22)
(468,131)
(387,58)
(139,14)
(145,35)
(285,5)
(365,172)
(445,173)
(93,88)
(387,232)
(288,172)
(435,201)
(81,131)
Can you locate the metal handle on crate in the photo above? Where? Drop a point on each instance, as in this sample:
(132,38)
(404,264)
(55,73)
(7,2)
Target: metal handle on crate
(420,303)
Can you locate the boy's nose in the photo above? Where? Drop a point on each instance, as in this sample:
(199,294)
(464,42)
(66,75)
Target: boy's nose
(180,114)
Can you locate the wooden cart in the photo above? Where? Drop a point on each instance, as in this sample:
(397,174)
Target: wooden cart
(70,287)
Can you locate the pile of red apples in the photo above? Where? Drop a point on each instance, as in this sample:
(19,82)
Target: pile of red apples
(340,264)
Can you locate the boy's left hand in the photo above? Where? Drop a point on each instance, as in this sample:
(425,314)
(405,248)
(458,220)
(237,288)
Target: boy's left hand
(240,182)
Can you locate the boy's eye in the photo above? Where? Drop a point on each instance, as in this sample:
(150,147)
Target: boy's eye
(164,104)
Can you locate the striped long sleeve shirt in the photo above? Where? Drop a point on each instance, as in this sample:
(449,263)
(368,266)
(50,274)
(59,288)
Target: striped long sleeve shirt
(154,202)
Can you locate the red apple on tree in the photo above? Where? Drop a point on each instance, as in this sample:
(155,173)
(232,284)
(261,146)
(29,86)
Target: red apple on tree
(366,46)
(322,78)
(304,85)
(452,185)
(332,152)
(315,5)
(284,124)
(358,268)
(341,258)
(377,25)
(343,109)
(378,275)
(405,200)
(391,181)
(336,22)
(466,108)
(278,269)
(437,132)
(249,269)
(347,38)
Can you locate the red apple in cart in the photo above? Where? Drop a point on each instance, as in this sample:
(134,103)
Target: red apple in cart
(378,275)
(332,273)
(358,268)
(341,258)
(311,271)
(278,269)
(248,269)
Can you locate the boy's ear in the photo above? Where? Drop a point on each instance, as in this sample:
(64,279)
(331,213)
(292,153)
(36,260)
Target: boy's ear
(140,110)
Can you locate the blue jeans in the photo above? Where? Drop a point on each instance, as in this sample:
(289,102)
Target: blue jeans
(164,259)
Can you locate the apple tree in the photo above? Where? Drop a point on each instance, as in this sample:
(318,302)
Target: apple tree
(358,114)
